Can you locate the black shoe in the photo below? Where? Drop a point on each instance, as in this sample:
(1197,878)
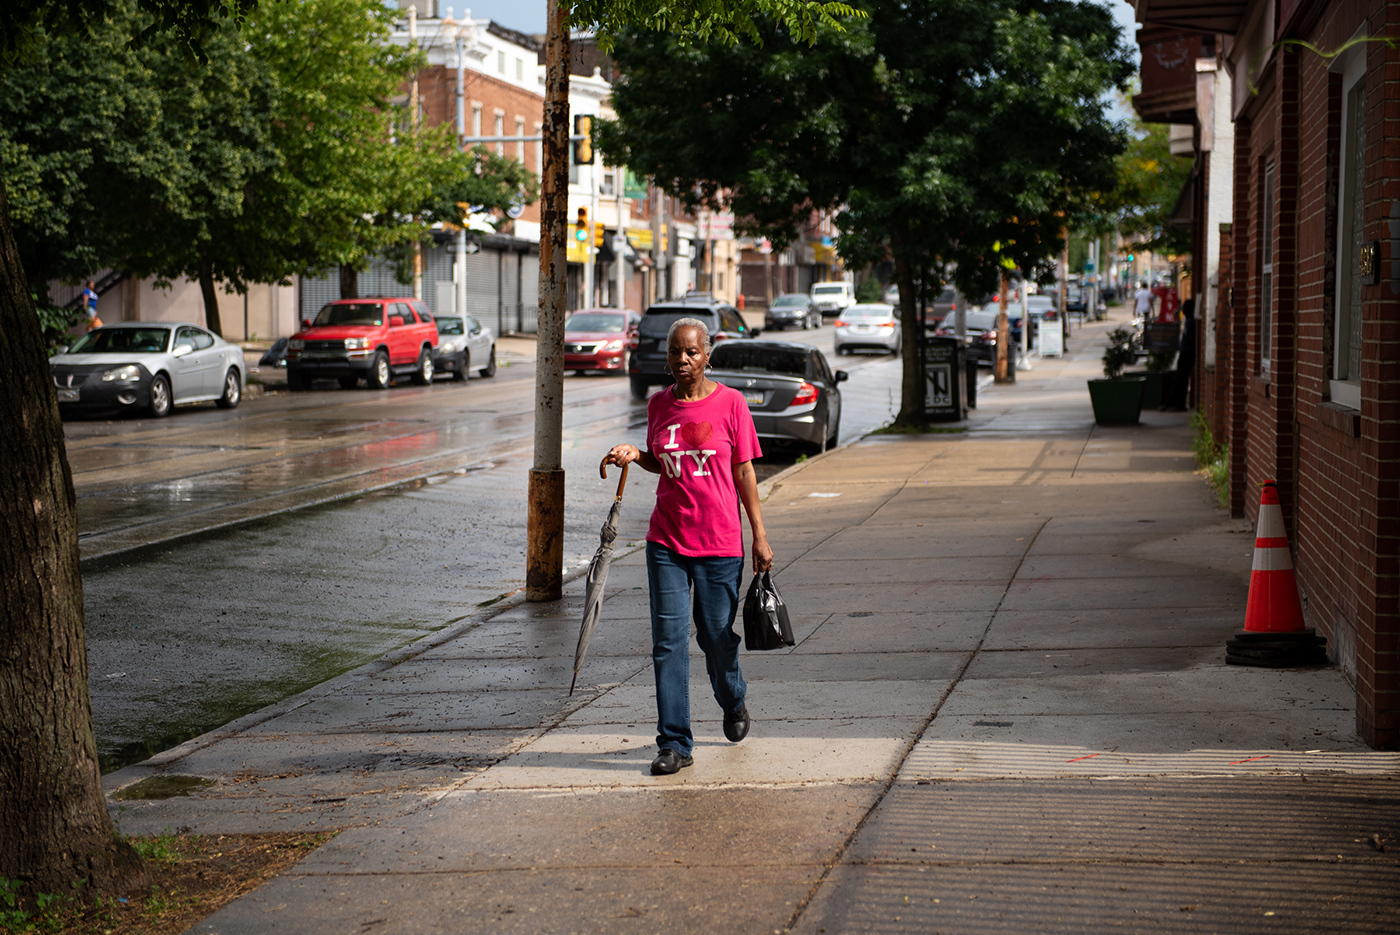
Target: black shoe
(668,761)
(736,725)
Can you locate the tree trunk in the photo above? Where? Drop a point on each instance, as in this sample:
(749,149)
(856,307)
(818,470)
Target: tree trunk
(911,384)
(1005,371)
(54,826)
(211,299)
(350,283)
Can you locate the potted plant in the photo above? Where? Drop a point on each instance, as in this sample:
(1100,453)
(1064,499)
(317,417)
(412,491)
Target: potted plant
(1117,399)
(1157,380)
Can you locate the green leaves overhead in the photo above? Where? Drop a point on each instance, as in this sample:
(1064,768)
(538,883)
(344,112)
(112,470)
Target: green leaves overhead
(718,22)
(287,150)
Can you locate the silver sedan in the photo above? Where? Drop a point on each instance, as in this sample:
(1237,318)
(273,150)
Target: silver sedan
(874,325)
(150,365)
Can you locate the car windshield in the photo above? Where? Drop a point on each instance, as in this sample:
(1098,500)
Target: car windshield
(836,289)
(657,321)
(758,356)
(449,324)
(790,301)
(596,322)
(352,313)
(868,313)
(122,341)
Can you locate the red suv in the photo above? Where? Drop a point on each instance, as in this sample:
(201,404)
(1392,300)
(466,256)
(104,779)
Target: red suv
(373,338)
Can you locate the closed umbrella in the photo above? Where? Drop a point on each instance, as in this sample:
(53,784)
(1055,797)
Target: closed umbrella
(598,574)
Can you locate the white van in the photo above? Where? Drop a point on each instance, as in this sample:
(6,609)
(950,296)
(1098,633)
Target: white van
(832,297)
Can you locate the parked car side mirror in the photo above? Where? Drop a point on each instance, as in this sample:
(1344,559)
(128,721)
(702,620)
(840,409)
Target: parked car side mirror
(182,349)
(842,376)
(306,323)
(755,332)
(395,321)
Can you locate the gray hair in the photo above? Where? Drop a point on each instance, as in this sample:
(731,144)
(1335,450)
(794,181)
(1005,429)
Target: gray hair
(695,323)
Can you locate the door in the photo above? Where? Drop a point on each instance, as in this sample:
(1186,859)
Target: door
(478,341)
(403,337)
(186,376)
(209,361)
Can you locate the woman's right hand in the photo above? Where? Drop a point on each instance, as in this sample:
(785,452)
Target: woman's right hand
(622,455)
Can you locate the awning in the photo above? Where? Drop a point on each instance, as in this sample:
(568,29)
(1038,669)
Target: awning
(1201,15)
(1184,211)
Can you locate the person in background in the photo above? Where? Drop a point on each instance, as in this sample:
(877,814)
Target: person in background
(1144,299)
(701,440)
(1185,359)
(90,306)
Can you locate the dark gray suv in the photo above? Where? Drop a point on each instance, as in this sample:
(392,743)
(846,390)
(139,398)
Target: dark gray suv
(647,367)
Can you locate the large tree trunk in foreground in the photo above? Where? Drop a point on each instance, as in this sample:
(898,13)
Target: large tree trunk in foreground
(54,828)
(349,283)
(211,299)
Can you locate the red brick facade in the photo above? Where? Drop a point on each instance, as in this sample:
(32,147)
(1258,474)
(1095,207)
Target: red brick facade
(1270,391)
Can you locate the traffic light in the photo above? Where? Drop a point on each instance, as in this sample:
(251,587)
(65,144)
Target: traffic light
(1130,258)
(581,231)
(583,149)
(598,233)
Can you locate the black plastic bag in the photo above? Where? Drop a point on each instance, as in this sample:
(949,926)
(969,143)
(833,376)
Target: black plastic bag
(766,624)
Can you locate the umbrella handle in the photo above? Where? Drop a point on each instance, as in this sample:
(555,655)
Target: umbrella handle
(603,473)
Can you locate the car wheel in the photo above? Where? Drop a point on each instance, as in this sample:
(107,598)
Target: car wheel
(840,350)
(296,380)
(161,403)
(490,369)
(347,383)
(639,387)
(233,390)
(423,374)
(461,373)
(379,372)
(835,437)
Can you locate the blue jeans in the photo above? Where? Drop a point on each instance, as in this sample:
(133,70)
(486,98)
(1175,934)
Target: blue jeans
(670,576)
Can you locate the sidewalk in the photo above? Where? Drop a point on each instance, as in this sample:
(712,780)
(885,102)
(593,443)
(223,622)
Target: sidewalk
(1007,711)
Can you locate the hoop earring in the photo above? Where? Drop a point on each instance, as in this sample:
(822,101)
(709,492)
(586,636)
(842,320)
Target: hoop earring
(667,368)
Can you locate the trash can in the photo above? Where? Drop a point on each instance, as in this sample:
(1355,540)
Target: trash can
(945,380)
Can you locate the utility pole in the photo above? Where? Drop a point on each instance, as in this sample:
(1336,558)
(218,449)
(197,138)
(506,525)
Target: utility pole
(591,267)
(1004,373)
(624,217)
(413,112)
(544,570)
(459,269)
(658,231)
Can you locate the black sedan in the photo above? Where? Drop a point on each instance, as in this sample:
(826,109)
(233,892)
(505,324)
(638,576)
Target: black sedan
(791,392)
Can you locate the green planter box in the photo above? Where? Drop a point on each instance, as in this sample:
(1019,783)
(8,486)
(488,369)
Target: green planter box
(1156,386)
(1116,402)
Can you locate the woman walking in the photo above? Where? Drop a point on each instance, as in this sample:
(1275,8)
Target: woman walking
(701,440)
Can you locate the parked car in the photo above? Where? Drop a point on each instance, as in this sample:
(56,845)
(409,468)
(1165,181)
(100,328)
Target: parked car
(464,344)
(981,330)
(150,366)
(892,295)
(647,365)
(873,326)
(791,391)
(1074,299)
(600,339)
(833,297)
(792,308)
(371,338)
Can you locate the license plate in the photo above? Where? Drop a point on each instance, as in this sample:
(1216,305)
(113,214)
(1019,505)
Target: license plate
(753,397)
(68,396)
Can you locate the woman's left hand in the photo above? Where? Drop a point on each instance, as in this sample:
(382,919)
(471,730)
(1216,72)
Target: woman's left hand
(762,555)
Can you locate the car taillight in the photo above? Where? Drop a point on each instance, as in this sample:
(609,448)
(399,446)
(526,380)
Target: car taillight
(719,337)
(839,323)
(990,337)
(634,342)
(806,393)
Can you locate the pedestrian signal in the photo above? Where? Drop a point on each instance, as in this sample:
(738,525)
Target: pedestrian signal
(583,149)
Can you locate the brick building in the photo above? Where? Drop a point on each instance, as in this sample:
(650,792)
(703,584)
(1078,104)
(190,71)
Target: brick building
(1301,363)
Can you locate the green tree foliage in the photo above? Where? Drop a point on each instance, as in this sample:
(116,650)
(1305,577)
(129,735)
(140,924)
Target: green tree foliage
(1150,180)
(950,134)
(282,152)
(722,22)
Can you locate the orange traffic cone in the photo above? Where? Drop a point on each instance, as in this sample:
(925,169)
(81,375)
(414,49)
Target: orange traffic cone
(1274,635)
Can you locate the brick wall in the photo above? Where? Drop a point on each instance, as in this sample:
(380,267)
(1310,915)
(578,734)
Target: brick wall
(1338,469)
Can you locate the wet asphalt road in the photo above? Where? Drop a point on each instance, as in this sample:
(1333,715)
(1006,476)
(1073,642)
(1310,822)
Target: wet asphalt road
(186,634)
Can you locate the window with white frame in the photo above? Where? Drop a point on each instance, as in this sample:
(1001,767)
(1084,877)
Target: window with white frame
(500,131)
(520,145)
(608,186)
(1345,385)
(476,119)
(1266,268)
(520,69)
(501,62)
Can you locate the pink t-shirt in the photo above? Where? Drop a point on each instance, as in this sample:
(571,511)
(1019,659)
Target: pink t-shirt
(698,443)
